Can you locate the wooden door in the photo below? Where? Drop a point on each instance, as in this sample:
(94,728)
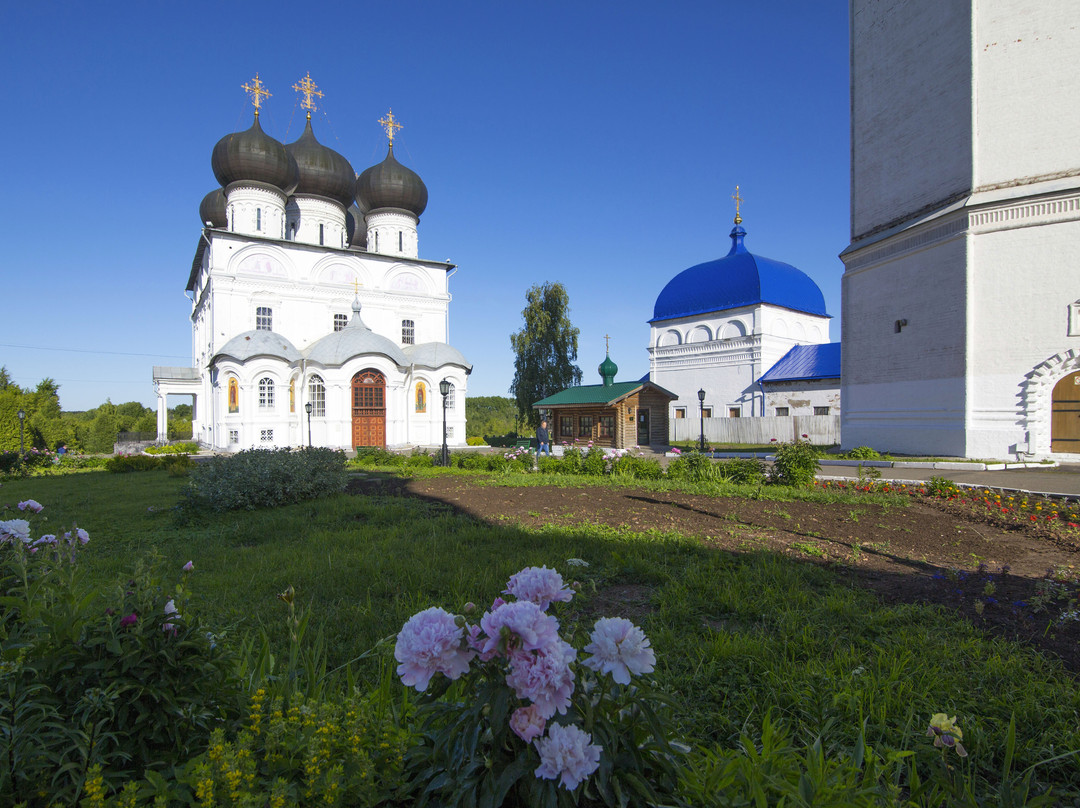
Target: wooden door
(369,409)
(643,427)
(1065,415)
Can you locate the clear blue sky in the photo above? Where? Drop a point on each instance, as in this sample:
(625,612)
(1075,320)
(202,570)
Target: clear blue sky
(593,143)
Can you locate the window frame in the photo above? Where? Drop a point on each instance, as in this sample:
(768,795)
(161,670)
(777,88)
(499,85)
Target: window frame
(606,426)
(317,395)
(817,410)
(566,426)
(266,393)
(408,332)
(585,425)
(340,321)
(783,412)
(264,318)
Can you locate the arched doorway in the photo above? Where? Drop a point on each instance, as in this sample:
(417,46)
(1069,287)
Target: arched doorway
(1065,415)
(369,409)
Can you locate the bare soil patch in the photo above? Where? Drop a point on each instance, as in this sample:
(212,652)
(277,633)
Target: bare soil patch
(929,552)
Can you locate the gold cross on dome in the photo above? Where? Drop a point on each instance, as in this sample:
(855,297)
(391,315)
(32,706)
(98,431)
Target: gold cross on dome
(738,200)
(607,343)
(307,88)
(256,91)
(390,125)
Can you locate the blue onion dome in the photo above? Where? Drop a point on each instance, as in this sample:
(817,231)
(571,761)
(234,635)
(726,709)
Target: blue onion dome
(391,185)
(356,228)
(254,156)
(212,209)
(738,279)
(607,370)
(323,172)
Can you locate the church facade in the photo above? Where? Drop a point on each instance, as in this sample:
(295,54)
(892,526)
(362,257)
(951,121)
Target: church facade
(314,321)
(720,326)
(961,296)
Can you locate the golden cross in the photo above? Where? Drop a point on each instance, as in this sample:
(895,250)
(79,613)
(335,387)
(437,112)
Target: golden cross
(255,89)
(738,200)
(356,286)
(607,344)
(308,88)
(390,125)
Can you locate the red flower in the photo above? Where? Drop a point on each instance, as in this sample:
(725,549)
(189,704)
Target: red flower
(129,620)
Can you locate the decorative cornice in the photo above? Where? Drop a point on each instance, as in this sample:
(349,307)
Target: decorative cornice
(976,220)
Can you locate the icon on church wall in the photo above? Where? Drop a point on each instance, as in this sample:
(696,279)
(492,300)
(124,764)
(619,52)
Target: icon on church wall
(421,397)
(234,395)
(292,395)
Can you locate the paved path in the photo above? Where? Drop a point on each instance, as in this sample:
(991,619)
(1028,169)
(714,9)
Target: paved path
(1063,480)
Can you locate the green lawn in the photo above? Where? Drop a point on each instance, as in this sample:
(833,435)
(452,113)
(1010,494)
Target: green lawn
(737,637)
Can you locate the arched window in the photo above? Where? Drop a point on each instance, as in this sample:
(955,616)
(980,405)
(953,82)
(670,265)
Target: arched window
(266,393)
(317,396)
(450,397)
(258,218)
(320,235)
(400,241)
(234,395)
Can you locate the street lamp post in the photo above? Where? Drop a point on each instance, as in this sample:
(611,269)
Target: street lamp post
(22,419)
(307,409)
(701,410)
(444,388)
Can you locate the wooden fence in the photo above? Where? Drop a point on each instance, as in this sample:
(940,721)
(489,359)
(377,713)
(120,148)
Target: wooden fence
(822,430)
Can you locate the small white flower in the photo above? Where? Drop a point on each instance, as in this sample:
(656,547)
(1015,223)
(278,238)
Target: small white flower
(577,562)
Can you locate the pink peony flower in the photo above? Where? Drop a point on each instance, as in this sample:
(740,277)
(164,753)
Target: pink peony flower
(567,754)
(32,505)
(188,567)
(620,648)
(538,585)
(527,723)
(129,620)
(15,529)
(430,642)
(170,610)
(525,621)
(544,677)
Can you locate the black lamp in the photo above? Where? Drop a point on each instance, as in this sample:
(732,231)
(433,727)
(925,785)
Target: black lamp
(22,418)
(701,409)
(308,408)
(444,388)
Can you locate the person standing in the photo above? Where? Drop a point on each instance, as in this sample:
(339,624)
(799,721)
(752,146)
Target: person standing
(543,440)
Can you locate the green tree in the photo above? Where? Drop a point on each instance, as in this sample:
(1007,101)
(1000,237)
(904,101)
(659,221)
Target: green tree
(545,350)
(490,415)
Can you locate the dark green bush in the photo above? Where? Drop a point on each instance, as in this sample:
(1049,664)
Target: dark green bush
(863,453)
(594,463)
(187,447)
(262,478)
(375,456)
(548,465)
(795,464)
(123,464)
(742,470)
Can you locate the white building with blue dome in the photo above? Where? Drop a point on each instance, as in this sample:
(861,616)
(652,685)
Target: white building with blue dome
(721,325)
(314,320)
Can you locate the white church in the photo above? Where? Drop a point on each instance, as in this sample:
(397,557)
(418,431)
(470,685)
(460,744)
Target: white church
(314,321)
(961,288)
(750,333)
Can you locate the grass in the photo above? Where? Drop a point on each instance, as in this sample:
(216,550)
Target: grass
(737,636)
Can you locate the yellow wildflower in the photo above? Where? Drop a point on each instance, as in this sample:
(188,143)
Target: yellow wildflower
(946,733)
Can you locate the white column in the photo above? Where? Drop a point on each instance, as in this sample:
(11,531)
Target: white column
(162,420)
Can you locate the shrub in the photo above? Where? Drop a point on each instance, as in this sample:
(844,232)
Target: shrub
(548,465)
(502,441)
(260,478)
(128,679)
(863,453)
(742,470)
(475,440)
(693,467)
(124,464)
(376,456)
(594,463)
(470,460)
(940,487)
(636,467)
(187,447)
(571,460)
(795,464)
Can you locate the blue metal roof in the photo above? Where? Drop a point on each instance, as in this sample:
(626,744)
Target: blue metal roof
(738,279)
(806,362)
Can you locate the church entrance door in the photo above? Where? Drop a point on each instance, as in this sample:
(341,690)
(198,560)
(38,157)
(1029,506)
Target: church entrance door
(369,409)
(1065,415)
(642,427)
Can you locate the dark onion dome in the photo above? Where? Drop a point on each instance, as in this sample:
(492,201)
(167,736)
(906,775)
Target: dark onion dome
(323,172)
(355,227)
(212,209)
(738,279)
(607,370)
(254,156)
(391,185)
